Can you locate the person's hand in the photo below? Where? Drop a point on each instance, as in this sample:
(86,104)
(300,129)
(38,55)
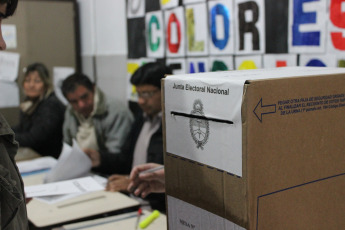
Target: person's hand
(146,183)
(94,156)
(117,183)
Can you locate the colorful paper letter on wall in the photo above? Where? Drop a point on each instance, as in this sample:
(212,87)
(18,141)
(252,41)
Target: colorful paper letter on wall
(250,27)
(196,29)
(221,27)
(340,60)
(307,26)
(175,32)
(155,44)
(167,4)
(336,26)
(279,60)
(318,60)
(197,65)
(221,63)
(248,62)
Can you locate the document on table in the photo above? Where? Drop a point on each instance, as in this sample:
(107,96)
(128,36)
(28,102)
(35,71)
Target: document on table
(80,185)
(59,198)
(36,164)
(72,163)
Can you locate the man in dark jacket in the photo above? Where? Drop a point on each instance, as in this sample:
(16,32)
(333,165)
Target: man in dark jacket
(145,142)
(12,199)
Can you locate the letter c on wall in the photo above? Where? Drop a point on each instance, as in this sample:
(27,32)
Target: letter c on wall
(153,46)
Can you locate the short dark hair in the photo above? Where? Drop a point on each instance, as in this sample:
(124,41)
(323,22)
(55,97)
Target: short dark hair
(70,84)
(11,6)
(151,74)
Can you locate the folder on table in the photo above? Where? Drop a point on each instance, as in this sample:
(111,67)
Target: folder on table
(43,214)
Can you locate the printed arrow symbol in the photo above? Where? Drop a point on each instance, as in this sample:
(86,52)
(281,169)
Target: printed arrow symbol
(263,109)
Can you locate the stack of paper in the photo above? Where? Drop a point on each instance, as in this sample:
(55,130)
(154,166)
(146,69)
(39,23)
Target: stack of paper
(80,185)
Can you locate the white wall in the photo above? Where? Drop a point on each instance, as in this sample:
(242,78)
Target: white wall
(104,44)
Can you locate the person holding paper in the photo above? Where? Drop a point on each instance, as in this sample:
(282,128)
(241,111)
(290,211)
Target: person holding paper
(145,142)
(95,121)
(12,198)
(41,113)
(147,178)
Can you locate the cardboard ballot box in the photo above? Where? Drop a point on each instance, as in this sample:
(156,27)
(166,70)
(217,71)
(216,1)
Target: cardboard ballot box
(255,149)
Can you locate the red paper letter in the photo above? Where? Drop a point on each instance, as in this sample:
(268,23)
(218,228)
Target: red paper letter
(173,48)
(338,19)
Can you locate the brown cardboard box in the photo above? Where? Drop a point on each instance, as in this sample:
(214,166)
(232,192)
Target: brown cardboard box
(293,152)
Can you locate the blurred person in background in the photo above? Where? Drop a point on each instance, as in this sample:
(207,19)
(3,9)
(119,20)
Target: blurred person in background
(41,113)
(145,142)
(95,120)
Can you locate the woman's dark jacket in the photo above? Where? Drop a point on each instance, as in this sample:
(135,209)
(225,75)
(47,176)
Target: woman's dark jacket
(42,130)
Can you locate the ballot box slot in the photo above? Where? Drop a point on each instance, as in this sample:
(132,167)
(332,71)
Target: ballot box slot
(174,113)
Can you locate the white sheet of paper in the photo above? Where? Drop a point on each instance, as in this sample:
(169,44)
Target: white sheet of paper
(58,198)
(9,66)
(81,185)
(9,94)
(60,74)
(9,32)
(36,164)
(72,163)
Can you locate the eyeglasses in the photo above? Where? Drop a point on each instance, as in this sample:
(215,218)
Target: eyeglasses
(147,94)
